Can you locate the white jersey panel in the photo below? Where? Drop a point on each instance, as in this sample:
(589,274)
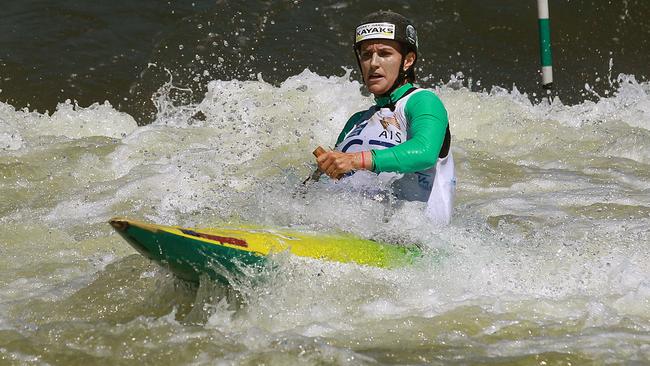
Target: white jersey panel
(378,130)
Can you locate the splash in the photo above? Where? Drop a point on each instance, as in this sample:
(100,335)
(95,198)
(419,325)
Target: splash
(547,247)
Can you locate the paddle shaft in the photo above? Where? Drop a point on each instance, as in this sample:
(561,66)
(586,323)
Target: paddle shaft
(319,151)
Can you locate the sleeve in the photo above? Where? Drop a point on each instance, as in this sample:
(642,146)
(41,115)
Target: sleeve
(349,125)
(428,122)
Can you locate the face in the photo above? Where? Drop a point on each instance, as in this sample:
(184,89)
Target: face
(380,63)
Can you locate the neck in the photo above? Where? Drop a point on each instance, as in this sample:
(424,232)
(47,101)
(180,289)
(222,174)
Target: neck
(393,96)
(398,84)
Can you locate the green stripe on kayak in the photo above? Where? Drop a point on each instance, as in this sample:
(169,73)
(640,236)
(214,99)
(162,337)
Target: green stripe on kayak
(188,258)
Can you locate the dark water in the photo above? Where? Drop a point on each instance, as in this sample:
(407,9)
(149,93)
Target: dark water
(123,51)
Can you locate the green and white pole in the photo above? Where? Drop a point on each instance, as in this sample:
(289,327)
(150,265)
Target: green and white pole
(545,44)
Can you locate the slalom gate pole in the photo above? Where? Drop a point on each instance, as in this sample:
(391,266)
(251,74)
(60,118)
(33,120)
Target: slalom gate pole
(545,44)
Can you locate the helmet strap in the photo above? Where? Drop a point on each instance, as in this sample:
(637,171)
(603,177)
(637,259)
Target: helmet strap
(356,54)
(401,76)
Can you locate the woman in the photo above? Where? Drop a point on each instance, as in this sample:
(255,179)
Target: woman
(407,131)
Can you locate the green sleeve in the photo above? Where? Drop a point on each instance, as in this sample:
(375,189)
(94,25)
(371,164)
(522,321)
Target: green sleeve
(349,125)
(427,121)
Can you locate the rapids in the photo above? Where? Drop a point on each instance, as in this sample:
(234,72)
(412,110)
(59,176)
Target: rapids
(546,260)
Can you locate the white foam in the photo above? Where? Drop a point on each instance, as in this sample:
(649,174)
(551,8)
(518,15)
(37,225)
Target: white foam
(68,120)
(527,237)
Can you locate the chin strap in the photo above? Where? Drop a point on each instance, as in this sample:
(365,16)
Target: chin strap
(401,76)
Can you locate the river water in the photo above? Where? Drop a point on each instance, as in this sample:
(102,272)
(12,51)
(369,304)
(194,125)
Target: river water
(546,261)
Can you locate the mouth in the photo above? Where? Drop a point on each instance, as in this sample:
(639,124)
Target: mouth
(375,77)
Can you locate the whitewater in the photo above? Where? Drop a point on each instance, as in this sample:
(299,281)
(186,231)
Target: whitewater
(546,260)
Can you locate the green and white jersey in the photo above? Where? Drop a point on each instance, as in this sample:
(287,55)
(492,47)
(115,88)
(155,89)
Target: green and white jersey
(407,132)
(377,128)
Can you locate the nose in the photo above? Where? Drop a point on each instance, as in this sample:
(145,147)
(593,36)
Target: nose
(374,60)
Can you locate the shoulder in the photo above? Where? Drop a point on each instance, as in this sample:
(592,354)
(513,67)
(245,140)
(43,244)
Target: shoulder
(424,101)
(424,96)
(350,124)
(356,116)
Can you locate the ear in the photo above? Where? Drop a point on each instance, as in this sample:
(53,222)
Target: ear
(409,60)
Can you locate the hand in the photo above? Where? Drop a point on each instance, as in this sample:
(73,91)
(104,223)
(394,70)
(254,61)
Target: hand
(336,163)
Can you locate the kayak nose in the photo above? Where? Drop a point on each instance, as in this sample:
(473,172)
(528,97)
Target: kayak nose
(119,224)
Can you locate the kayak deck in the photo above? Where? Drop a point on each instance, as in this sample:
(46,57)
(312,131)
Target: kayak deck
(188,253)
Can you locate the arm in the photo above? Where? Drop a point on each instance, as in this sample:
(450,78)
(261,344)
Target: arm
(428,121)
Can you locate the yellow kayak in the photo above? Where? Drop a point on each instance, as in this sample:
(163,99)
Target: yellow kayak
(189,253)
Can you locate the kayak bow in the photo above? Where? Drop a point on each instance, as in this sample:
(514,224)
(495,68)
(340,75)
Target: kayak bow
(188,253)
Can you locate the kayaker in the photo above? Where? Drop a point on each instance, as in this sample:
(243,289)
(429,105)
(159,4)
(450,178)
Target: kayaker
(407,130)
